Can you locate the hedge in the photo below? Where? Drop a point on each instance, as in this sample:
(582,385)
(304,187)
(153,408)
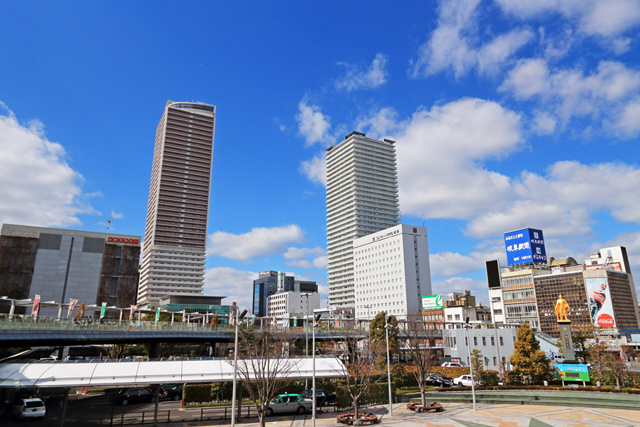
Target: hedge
(539,387)
(376,394)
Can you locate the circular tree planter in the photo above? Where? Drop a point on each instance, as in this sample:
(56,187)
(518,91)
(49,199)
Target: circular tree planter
(348,418)
(435,407)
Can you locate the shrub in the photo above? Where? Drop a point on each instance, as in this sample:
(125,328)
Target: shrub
(196,393)
(489,378)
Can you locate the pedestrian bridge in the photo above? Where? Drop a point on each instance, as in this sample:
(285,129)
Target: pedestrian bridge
(111,373)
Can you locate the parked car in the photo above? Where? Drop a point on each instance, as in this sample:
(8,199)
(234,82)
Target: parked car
(463,380)
(28,408)
(171,392)
(322,397)
(438,381)
(439,375)
(126,396)
(452,365)
(289,403)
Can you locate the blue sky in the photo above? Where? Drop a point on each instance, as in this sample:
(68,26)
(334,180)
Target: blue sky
(506,113)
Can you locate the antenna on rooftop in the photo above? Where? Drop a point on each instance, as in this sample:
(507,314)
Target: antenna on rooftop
(108,224)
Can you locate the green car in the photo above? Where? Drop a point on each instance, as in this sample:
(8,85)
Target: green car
(288,403)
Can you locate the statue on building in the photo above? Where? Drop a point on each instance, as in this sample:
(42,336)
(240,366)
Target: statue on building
(562,309)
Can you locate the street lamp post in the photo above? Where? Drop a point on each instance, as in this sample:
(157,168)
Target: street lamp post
(306,337)
(473,388)
(235,368)
(386,332)
(368,307)
(313,381)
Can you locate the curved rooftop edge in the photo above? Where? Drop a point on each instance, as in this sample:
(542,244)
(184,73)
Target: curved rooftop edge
(17,375)
(192,106)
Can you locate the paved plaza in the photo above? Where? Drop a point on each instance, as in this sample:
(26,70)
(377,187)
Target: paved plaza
(463,415)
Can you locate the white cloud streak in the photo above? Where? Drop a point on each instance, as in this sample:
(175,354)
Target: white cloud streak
(232,283)
(313,125)
(256,243)
(371,78)
(38,186)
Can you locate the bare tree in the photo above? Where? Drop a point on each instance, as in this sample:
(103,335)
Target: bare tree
(264,362)
(609,360)
(359,355)
(423,358)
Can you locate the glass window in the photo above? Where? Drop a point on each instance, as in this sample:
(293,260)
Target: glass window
(475,341)
(484,341)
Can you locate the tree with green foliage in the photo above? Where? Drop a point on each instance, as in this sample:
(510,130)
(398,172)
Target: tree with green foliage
(529,363)
(378,337)
(477,363)
(611,361)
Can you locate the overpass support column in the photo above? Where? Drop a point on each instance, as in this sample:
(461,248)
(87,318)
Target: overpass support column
(154,350)
(64,406)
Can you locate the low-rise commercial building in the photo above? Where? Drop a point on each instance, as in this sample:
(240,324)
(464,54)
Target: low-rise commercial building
(201,304)
(270,283)
(61,265)
(495,344)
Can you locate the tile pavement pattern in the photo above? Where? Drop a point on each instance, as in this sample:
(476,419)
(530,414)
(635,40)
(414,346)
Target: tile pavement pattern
(463,415)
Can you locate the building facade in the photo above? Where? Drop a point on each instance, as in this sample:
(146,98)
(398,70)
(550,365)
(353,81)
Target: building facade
(495,344)
(391,271)
(362,198)
(199,304)
(60,265)
(176,230)
(292,304)
(600,293)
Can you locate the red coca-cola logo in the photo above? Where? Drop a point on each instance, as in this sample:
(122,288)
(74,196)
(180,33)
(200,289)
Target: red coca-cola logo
(598,297)
(123,240)
(605,321)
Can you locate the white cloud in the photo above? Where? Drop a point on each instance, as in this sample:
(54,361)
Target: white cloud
(604,18)
(256,243)
(313,125)
(378,124)
(306,257)
(355,78)
(447,264)
(543,123)
(116,215)
(315,169)
(439,154)
(38,186)
(232,283)
(605,92)
(478,288)
(494,54)
(454,43)
(629,122)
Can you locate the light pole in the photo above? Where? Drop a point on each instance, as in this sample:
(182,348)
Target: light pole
(235,369)
(306,337)
(368,307)
(473,388)
(386,332)
(316,321)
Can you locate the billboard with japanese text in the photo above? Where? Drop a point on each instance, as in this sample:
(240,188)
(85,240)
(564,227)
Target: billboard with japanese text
(525,246)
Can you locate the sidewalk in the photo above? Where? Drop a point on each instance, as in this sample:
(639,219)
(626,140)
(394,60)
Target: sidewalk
(463,415)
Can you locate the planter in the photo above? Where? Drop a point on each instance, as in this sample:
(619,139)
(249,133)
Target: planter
(348,418)
(435,407)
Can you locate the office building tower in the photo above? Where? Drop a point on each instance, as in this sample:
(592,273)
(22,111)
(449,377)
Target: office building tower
(270,283)
(362,198)
(391,272)
(173,252)
(61,265)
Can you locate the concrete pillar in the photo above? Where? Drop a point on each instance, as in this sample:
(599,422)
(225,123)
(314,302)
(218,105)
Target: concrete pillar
(64,406)
(154,350)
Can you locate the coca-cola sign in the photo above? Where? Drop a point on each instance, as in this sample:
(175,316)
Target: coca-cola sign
(600,303)
(605,321)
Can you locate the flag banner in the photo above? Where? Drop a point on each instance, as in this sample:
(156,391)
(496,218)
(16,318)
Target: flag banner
(158,314)
(36,306)
(132,312)
(103,310)
(184,315)
(72,306)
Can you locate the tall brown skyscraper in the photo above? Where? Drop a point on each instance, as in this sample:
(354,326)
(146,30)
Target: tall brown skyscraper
(173,252)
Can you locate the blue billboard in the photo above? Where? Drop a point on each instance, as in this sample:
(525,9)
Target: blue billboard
(525,246)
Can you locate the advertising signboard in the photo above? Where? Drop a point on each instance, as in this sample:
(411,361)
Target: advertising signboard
(36,306)
(600,305)
(525,246)
(572,372)
(432,302)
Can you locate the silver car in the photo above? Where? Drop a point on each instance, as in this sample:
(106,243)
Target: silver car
(28,408)
(288,403)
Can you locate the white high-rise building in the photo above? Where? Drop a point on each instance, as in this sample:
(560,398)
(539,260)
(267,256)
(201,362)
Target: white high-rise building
(362,198)
(173,253)
(392,271)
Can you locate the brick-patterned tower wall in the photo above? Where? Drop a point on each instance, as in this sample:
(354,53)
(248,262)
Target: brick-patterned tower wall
(119,277)
(17,259)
